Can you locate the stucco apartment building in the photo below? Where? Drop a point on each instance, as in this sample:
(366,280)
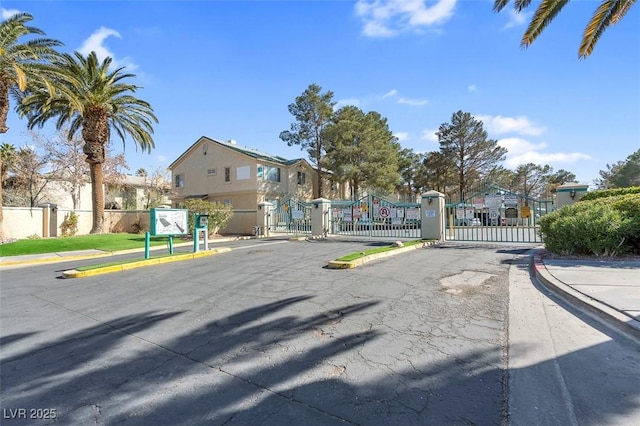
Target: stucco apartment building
(225,172)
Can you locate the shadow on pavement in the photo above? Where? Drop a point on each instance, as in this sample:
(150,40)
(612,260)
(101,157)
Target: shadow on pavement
(241,370)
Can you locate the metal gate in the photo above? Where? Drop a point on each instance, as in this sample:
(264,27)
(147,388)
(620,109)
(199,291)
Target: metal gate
(373,216)
(291,216)
(495,214)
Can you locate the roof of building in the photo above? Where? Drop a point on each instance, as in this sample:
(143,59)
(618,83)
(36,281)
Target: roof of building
(231,144)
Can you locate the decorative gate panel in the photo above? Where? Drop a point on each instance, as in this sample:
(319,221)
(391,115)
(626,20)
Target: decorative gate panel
(291,216)
(496,214)
(373,216)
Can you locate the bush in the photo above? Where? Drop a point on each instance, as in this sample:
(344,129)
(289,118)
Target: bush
(69,227)
(605,193)
(604,226)
(219,214)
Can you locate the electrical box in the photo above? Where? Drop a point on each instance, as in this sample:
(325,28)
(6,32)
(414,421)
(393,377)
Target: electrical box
(202,221)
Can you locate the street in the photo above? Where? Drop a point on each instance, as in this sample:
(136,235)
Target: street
(265,334)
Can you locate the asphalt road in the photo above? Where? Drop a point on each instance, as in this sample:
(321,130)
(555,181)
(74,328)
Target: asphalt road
(266,334)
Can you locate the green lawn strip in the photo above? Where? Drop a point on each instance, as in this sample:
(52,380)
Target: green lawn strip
(105,242)
(123,262)
(358,255)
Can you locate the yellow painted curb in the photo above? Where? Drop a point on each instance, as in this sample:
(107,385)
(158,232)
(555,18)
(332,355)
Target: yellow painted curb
(72,273)
(337,264)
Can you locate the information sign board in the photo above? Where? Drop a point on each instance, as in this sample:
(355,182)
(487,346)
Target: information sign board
(169,221)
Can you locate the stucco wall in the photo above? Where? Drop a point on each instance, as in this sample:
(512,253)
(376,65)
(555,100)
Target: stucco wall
(22,222)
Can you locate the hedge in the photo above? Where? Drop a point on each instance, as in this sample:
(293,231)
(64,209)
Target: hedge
(605,193)
(603,226)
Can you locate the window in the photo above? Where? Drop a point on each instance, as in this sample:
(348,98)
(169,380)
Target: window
(227,174)
(211,172)
(272,174)
(301,178)
(179,181)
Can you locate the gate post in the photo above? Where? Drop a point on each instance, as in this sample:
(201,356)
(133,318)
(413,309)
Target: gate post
(432,223)
(263,217)
(320,217)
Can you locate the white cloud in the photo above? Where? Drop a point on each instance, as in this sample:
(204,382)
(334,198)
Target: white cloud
(95,43)
(402,136)
(344,102)
(429,135)
(390,93)
(387,18)
(8,13)
(501,125)
(413,102)
(521,151)
(472,88)
(517,19)
(161,158)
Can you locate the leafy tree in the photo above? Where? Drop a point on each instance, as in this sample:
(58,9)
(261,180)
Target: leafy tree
(141,172)
(65,160)
(410,168)
(8,154)
(559,178)
(156,185)
(20,63)
(91,98)
(464,142)
(609,13)
(219,214)
(530,179)
(362,150)
(436,173)
(313,111)
(28,181)
(502,177)
(621,174)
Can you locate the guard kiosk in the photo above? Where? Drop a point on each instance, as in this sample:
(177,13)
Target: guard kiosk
(200,223)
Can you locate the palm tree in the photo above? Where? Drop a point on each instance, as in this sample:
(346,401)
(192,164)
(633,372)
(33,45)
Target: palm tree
(610,12)
(20,63)
(94,100)
(7,155)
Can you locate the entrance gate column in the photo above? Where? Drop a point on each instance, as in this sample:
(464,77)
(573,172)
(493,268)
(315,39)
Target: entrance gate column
(262,221)
(320,216)
(432,222)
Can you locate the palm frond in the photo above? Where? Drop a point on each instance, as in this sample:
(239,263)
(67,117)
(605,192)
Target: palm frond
(544,14)
(608,13)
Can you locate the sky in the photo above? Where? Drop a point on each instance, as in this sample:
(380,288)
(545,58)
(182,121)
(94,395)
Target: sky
(229,70)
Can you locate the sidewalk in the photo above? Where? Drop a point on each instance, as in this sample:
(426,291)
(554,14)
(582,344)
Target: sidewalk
(610,289)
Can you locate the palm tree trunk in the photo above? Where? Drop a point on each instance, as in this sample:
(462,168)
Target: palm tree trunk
(97,198)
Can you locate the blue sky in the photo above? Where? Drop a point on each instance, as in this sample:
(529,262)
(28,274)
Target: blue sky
(229,69)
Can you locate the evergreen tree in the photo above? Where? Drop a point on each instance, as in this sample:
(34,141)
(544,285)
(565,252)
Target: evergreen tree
(362,150)
(465,144)
(313,111)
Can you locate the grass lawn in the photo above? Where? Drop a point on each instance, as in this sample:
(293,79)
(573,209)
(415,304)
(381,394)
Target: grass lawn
(358,255)
(105,242)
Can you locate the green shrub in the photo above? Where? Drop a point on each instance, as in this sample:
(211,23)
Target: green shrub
(69,227)
(602,227)
(605,193)
(219,214)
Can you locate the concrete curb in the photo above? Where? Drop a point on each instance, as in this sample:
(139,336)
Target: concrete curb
(606,313)
(72,273)
(336,264)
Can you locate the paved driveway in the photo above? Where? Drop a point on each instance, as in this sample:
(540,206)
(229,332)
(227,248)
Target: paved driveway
(262,335)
